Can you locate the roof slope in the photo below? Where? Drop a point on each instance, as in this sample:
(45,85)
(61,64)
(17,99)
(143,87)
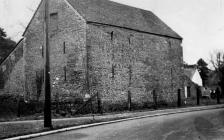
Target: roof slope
(192,73)
(189,72)
(112,13)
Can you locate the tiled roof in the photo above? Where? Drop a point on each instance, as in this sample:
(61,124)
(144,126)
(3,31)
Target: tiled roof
(112,13)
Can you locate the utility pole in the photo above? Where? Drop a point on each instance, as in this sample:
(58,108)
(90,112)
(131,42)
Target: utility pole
(47,84)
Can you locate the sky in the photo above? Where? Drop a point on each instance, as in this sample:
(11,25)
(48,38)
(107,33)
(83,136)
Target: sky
(199,22)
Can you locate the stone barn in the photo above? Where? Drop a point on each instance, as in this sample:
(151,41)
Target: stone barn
(97,46)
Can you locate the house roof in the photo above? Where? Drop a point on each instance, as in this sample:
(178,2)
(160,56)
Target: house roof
(189,72)
(112,13)
(192,73)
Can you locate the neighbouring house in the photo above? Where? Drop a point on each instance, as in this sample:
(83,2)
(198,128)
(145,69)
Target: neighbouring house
(192,81)
(97,46)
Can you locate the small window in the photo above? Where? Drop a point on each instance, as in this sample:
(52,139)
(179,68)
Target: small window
(42,51)
(64,47)
(113,71)
(188,91)
(169,43)
(112,36)
(130,39)
(130,74)
(65,73)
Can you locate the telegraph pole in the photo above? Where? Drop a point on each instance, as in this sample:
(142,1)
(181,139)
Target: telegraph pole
(47,84)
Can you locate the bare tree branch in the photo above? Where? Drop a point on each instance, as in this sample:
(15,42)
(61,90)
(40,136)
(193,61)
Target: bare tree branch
(217,59)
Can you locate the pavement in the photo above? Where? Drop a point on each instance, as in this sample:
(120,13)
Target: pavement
(82,122)
(200,125)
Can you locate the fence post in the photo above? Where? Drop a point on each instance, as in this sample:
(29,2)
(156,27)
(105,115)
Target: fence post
(19,107)
(179,98)
(154,98)
(91,105)
(129,100)
(218,95)
(99,104)
(198,96)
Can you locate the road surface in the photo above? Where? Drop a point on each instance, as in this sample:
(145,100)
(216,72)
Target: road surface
(200,125)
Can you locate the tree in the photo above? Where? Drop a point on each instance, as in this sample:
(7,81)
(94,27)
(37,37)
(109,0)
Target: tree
(217,61)
(2,33)
(6,45)
(203,71)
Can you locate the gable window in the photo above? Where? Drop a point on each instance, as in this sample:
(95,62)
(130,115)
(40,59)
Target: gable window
(53,22)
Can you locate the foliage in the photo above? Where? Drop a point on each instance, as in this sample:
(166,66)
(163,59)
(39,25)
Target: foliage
(8,105)
(2,33)
(203,71)
(217,60)
(6,45)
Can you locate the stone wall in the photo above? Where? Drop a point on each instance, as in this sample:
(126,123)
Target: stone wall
(12,72)
(109,60)
(67,51)
(122,60)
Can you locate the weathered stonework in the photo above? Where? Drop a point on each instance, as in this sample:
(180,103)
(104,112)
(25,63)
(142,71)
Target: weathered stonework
(88,57)
(12,72)
(140,63)
(67,52)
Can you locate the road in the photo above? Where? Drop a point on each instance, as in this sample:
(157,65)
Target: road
(200,125)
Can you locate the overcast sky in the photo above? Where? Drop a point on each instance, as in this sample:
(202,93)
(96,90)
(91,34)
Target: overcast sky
(199,22)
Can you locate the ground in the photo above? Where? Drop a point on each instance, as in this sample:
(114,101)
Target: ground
(200,125)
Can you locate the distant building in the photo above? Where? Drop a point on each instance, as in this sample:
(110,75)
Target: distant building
(97,46)
(192,80)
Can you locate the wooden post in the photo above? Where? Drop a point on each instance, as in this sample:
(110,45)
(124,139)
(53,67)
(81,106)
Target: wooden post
(129,92)
(198,96)
(155,99)
(179,98)
(99,104)
(47,84)
(217,91)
